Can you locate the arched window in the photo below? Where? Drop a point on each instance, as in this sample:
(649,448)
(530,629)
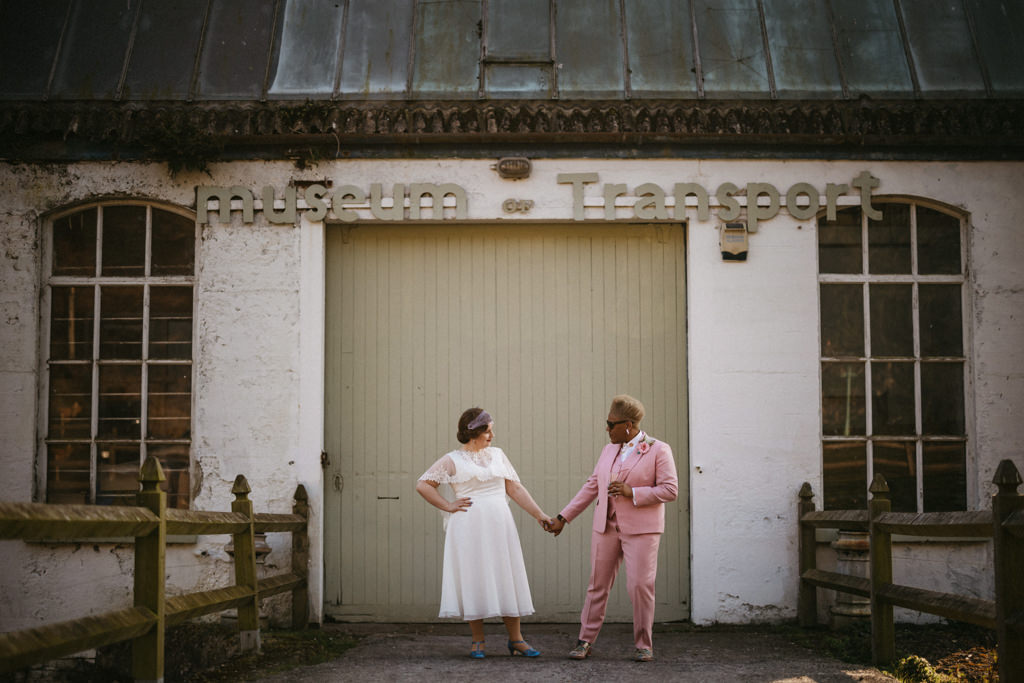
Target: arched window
(117,338)
(893,361)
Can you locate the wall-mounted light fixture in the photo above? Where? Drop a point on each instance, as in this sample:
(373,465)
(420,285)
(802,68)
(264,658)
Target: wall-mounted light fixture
(513,168)
(733,241)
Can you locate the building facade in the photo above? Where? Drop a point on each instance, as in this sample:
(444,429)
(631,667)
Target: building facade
(300,244)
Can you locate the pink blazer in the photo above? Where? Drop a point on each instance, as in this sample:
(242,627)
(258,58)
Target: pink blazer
(651,475)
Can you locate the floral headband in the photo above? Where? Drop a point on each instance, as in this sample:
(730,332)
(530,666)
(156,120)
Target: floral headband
(479,421)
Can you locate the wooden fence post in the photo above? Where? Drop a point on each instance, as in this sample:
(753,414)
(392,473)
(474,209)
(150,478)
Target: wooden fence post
(300,561)
(883,630)
(1008,551)
(150,560)
(245,568)
(807,597)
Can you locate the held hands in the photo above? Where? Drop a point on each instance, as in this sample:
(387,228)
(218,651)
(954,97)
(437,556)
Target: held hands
(459,505)
(554,526)
(620,488)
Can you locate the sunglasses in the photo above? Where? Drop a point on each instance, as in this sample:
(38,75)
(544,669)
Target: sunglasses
(611,425)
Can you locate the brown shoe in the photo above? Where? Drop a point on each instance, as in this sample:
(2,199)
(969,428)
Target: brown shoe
(643,655)
(581,651)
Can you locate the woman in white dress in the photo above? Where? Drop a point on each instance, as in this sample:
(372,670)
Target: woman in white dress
(483,574)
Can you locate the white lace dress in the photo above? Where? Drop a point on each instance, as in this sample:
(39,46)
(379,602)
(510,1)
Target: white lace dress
(483,574)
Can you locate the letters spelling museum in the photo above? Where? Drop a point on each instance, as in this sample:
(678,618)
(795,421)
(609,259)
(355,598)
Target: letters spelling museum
(802,200)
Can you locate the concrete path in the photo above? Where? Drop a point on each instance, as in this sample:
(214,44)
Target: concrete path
(439,652)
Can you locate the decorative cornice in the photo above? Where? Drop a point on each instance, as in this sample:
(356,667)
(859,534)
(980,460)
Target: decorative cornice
(962,128)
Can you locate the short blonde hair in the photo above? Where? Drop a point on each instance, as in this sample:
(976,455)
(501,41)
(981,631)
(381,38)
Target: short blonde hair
(626,407)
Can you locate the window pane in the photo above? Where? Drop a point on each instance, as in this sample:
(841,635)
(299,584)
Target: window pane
(945,476)
(842,399)
(67,473)
(170,401)
(174,460)
(842,321)
(942,398)
(70,401)
(519,29)
(124,241)
(839,245)
(941,320)
(731,48)
(938,243)
(897,462)
(889,241)
(74,244)
(121,322)
(117,473)
(96,399)
(892,402)
(120,401)
(845,476)
(174,244)
(512,80)
(892,323)
(170,322)
(71,321)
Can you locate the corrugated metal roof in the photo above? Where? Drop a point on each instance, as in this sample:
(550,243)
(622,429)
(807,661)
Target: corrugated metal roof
(188,80)
(195,50)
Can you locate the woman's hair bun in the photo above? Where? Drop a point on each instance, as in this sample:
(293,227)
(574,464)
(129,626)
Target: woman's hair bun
(464,433)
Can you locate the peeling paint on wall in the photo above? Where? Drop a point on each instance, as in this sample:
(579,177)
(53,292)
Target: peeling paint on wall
(258,352)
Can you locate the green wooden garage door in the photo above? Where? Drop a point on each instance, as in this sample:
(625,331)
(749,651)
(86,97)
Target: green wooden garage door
(541,325)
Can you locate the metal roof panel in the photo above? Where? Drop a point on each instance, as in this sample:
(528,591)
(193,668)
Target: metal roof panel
(588,38)
(660,39)
(29,39)
(235,49)
(803,53)
(94,49)
(732,53)
(164,51)
(309,48)
(248,50)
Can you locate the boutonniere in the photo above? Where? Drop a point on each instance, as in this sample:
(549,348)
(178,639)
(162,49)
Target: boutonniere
(644,446)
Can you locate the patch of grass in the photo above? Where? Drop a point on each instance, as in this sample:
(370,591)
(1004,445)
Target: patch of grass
(925,653)
(915,669)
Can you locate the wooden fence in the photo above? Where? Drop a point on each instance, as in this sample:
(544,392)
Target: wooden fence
(1004,524)
(149,523)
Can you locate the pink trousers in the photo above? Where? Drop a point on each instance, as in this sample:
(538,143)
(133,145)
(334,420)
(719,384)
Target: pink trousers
(607,550)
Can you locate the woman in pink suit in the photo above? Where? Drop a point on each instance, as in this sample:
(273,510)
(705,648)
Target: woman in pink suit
(634,478)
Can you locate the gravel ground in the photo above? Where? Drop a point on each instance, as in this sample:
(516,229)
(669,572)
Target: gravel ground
(414,652)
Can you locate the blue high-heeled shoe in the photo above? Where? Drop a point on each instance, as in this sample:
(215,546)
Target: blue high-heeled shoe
(528,652)
(475,653)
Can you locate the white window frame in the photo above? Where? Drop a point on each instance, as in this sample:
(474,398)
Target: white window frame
(97,282)
(865,279)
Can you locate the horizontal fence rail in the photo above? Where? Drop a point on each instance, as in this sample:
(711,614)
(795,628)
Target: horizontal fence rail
(149,523)
(44,522)
(1004,524)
